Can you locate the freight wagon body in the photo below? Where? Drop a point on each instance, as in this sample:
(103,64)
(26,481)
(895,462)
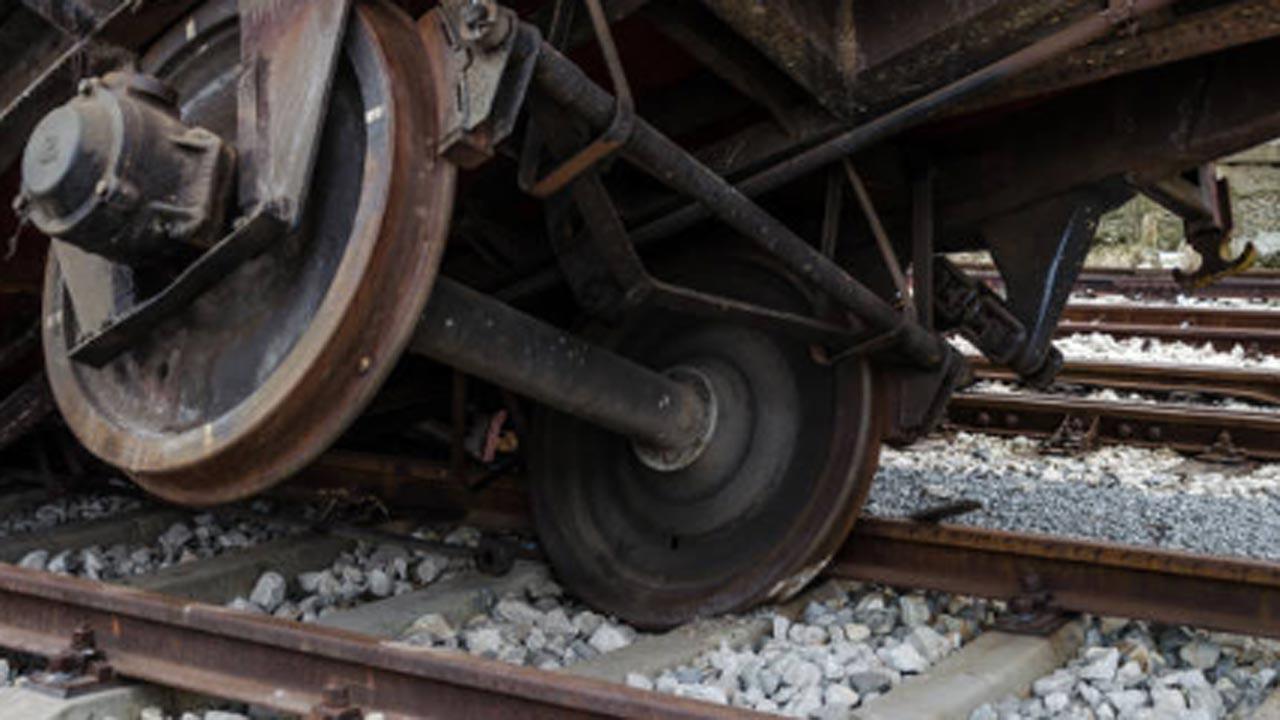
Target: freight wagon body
(692,255)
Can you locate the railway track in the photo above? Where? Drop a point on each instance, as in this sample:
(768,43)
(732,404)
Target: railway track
(1256,331)
(1157,284)
(174,629)
(1079,423)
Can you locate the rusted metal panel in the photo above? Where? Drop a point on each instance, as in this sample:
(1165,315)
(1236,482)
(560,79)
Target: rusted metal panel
(1161,40)
(857,56)
(1223,593)
(1151,125)
(286,666)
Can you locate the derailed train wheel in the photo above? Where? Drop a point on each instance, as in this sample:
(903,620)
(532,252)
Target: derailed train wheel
(774,492)
(264,371)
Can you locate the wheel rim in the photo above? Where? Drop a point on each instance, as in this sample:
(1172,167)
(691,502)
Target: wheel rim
(262,373)
(757,515)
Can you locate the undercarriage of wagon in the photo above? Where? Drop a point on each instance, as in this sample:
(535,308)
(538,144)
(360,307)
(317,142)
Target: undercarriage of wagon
(692,256)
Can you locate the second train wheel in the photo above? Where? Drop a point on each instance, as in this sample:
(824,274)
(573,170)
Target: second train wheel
(758,513)
(264,371)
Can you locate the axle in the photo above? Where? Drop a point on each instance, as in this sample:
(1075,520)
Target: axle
(491,340)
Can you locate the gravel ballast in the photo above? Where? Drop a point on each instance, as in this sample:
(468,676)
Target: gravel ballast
(1116,493)
(840,653)
(71,509)
(540,627)
(202,537)
(1129,669)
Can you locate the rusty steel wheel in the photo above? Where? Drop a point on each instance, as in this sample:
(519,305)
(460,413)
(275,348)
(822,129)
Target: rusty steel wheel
(758,513)
(264,371)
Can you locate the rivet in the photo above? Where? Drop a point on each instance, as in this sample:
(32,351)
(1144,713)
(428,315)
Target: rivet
(365,363)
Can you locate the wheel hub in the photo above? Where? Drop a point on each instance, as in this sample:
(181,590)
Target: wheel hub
(673,459)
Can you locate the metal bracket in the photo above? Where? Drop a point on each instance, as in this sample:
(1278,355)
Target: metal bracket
(289,51)
(1077,434)
(1032,611)
(490,56)
(609,278)
(335,704)
(113,334)
(1207,222)
(613,137)
(79,669)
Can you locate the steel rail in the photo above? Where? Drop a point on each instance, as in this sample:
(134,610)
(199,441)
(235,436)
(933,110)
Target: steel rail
(1252,384)
(1185,428)
(1220,593)
(1154,283)
(1224,328)
(286,665)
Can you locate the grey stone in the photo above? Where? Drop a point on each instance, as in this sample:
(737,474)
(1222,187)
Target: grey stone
(1100,663)
(781,626)
(903,658)
(483,641)
(586,622)
(62,563)
(35,560)
(984,712)
(269,591)
(1056,702)
(434,625)
(430,568)
(1168,701)
(380,584)
(770,681)
(856,632)
(465,536)
(705,693)
(557,622)
(518,612)
(1200,654)
(1126,701)
(838,694)
(929,643)
(914,610)
(175,537)
(807,634)
(608,638)
(802,674)
(641,682)
(870,681)
(1129,674)
(1057,681)
(686,675)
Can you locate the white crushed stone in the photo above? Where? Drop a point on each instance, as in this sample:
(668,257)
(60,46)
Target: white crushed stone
(540,627)
(368,572)
(1116,493)
(841,653)
(75,508)
(201,537)
(1130,669)
(1099,347)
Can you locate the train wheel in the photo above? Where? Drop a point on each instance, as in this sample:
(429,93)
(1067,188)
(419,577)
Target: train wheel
(760,511)
(264,371)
